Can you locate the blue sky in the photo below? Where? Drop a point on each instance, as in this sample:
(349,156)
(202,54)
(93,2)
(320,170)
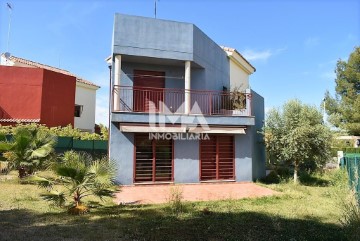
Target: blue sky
(293,44)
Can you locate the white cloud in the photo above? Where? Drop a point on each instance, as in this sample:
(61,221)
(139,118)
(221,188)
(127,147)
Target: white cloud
(253,55)
(311,42)
(264,55)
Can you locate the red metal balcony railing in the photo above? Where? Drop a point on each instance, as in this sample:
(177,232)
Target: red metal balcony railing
(172,101)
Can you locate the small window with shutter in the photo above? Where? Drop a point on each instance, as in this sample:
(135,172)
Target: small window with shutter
(78,110)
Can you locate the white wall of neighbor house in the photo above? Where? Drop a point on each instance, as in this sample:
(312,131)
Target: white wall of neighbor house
(85,96)
(4,61)
(238,77)
(355,140)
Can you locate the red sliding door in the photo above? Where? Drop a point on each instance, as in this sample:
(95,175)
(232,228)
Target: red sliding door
(148,88)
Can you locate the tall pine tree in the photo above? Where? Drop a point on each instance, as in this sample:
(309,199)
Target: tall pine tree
(344,109)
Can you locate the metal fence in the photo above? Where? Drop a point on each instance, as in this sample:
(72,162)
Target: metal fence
(63,144)
(93,147)
(170,101)
(352,164)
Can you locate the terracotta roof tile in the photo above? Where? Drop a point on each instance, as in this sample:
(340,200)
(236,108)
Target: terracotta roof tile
(20,120)
(234,50)
(44,66)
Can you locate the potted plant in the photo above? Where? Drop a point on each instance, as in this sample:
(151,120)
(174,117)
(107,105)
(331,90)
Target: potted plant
(234,102)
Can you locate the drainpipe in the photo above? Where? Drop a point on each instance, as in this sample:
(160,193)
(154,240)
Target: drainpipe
(117,74)
(110,109)
(187,86)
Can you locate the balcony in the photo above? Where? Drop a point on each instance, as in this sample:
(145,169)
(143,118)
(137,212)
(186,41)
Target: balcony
(173,101)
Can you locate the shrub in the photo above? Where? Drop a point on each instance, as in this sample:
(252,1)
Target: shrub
(351,218)
(67,131)
(272,178)
(338,178)
(311,166)
(283,172)
(313,179)
(176,200)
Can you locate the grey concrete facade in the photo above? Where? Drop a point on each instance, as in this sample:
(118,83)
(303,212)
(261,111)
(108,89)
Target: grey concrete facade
(167,43)
(243,157)
(186,158)
(160,45)
(259,153)
(121,150)
(186,161)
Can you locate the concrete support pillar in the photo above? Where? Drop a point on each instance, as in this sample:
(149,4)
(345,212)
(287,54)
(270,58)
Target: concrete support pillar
(117,74)
(187,86)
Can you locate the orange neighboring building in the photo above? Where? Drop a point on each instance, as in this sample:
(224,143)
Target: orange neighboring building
(36,95)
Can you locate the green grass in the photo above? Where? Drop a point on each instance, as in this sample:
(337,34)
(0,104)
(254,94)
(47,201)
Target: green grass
(301,212)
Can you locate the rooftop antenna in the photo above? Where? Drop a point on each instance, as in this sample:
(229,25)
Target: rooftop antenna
(10,12)
(155,3)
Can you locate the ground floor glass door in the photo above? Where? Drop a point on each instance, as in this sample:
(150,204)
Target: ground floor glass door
(153,159)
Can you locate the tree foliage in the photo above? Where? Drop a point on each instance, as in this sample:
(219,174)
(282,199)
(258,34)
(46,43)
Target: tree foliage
(296,135)
(344,109)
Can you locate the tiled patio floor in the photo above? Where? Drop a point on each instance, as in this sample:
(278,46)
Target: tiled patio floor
(150,194)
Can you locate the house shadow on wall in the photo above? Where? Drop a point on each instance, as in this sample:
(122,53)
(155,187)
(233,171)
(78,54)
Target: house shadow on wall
(148,223)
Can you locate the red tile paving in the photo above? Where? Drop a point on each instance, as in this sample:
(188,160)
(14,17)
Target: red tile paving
(151,194)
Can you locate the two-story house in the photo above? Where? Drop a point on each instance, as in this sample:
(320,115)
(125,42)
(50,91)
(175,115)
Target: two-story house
(182,107)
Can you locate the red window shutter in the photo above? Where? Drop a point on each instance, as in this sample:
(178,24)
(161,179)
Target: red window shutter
(217,158)
(208,159)
(226,157)
(153,159)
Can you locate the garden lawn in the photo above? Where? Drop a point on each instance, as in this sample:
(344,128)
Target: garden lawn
(301,212)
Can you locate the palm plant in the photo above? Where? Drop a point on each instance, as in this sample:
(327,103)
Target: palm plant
(28,149)
(82,177)
(4,144)
(4,147)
